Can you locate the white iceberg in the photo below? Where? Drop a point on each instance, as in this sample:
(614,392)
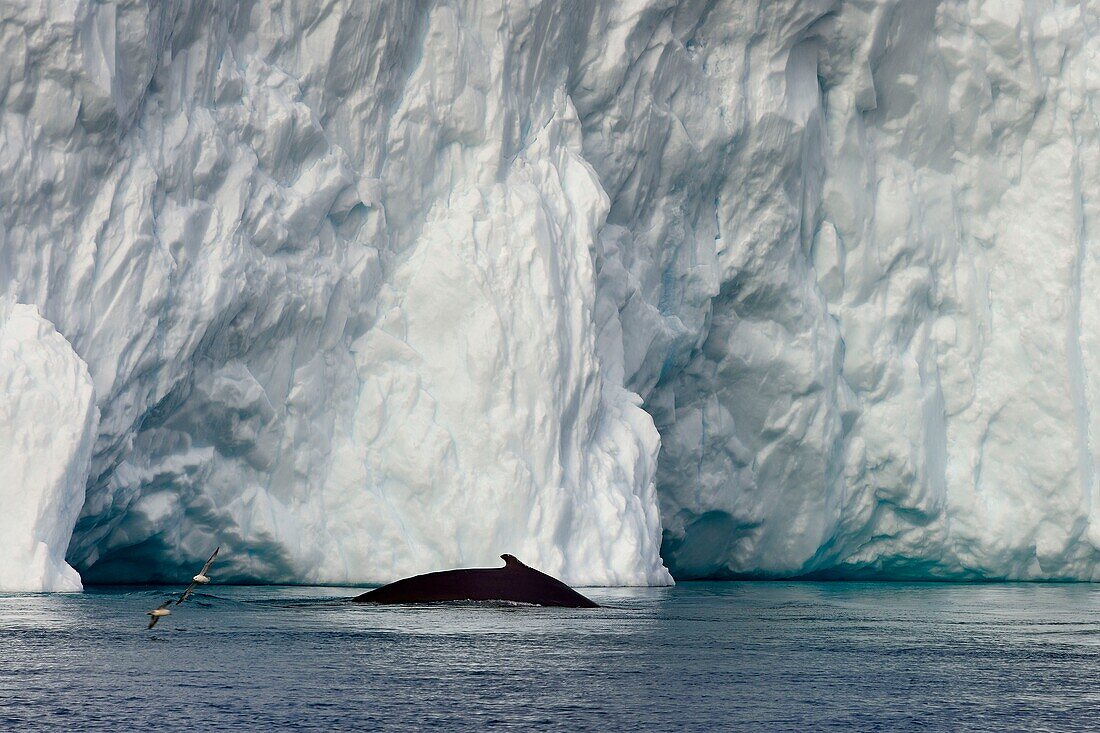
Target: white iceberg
(47,428)
(743,288)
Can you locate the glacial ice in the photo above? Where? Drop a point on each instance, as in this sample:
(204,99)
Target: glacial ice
(48,415)
(367,289)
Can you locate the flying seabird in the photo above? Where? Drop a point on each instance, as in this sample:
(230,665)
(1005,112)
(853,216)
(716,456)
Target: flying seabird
(200,579)
(159,612)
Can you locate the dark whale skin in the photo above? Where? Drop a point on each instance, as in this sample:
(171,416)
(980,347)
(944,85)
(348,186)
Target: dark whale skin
(514,582)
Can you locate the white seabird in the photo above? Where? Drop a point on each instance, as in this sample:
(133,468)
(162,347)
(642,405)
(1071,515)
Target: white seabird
(159,612)
(200,579)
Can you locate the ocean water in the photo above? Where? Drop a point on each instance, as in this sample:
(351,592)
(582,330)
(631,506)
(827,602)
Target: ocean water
(700,657)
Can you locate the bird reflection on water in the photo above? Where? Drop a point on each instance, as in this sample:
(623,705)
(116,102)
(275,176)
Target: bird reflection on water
(780,656)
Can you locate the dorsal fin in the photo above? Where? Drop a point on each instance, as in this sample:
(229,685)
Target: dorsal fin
(510,561)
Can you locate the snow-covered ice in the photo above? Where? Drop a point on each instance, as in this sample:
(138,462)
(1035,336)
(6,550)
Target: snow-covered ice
(368,289)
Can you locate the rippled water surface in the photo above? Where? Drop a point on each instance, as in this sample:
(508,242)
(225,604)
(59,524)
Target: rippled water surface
(700,656)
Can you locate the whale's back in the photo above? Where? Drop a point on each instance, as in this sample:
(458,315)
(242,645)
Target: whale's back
(514,582)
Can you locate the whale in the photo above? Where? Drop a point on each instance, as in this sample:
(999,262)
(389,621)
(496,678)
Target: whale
(515,582)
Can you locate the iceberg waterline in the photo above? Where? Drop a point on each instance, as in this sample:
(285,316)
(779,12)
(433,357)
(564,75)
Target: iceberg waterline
(364,290)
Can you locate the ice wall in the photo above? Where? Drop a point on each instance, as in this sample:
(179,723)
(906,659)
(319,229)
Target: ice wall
(47,427)
(332,272)
(367,289)
(896,378)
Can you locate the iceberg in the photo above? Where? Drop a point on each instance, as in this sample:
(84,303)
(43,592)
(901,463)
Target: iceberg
(895,378)
(48,423)
(632,290)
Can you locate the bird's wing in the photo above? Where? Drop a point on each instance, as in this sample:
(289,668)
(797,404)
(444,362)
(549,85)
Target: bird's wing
(210,561)
(153,622)
(166,604)
(186,594)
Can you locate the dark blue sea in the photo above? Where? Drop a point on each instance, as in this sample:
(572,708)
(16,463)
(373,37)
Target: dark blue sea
(697,657)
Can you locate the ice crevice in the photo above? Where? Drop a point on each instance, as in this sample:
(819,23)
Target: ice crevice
(632,291)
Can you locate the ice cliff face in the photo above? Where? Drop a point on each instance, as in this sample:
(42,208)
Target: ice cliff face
(371,289)
(48,410)
(895,377)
